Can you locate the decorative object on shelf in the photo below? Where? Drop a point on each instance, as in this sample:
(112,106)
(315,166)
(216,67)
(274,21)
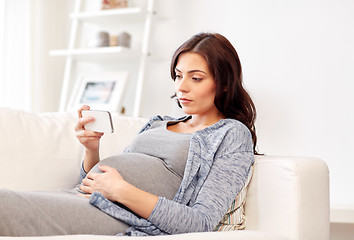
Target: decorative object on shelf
(111,4)
(124,39)
(101,39)
(113,40)
(101,91)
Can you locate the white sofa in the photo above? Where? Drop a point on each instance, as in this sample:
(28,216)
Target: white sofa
(288,197)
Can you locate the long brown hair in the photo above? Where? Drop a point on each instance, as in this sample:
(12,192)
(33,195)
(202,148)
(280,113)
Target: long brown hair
(231,99)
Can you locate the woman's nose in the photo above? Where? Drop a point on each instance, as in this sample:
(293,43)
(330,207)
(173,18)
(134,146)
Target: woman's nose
(182,85)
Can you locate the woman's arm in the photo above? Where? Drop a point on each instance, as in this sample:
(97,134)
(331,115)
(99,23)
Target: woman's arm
(90,160)
(225,180)
(89,139)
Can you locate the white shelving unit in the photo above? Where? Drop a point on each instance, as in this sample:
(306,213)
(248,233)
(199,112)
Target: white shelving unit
(98,53)
(102,18)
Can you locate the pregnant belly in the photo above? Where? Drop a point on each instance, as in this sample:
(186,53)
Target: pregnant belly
(145,172)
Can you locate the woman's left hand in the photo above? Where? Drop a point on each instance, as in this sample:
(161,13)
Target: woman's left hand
(113,187)
(107,183)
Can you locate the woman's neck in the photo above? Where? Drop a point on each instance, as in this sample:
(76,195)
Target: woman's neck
(199,122)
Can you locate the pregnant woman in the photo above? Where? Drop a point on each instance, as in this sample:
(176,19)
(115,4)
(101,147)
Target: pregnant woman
(177,176)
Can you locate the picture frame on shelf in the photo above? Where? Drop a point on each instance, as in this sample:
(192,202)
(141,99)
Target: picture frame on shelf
(101,91)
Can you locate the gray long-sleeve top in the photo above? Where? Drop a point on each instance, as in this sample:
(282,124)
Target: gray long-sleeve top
(219,160)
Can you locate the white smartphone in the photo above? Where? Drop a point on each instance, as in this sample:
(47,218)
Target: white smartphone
(103,121)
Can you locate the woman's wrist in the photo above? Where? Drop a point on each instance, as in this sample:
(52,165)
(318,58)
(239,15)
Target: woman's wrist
(121,192)
(92,157)
(137,200)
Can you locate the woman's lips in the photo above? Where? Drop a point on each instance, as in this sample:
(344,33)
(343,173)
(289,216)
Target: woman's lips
(184,100)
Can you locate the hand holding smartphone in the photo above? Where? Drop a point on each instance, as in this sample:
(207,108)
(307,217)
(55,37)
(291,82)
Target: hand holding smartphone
(103,121)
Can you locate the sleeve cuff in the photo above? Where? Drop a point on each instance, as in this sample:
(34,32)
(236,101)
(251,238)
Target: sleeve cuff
(83,173)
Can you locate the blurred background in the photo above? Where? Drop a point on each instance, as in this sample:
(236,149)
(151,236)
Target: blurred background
(297,58)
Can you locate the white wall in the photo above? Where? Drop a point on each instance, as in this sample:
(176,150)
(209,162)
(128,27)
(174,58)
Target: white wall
(298,61)
(14,54)
(49,30)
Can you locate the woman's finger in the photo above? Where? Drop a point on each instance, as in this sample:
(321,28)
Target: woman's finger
(105,168)
(83,195)
(92,175)
(86,189)
(83,107)
(82,121)
(87,182)
(89,134)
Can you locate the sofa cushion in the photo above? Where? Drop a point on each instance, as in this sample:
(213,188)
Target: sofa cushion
(38,151)
(235,218)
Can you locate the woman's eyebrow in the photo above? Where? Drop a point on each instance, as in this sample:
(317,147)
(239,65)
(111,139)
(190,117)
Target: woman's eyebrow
(177,70)
(190,71)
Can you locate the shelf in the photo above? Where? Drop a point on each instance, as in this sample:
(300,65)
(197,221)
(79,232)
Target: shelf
(136,19)
(97,53)
(342,214)
(110,16)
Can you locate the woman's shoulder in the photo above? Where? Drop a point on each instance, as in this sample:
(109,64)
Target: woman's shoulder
(228,132)
(236,128)
(227,125)
(233,123)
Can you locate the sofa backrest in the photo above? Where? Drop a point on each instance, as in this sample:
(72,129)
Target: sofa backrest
(41,152)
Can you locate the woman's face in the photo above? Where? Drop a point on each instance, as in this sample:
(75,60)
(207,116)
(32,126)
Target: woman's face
(195,85)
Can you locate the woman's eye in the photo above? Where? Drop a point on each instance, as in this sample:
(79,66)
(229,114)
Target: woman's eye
(177,77)
(197,79)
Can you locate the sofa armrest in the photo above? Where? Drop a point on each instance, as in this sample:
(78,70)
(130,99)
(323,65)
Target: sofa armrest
(289,196)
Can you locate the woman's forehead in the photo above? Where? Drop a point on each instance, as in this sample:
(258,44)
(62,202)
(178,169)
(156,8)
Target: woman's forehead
(192,62)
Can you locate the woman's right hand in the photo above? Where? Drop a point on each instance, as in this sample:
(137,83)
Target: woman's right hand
(89,139)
